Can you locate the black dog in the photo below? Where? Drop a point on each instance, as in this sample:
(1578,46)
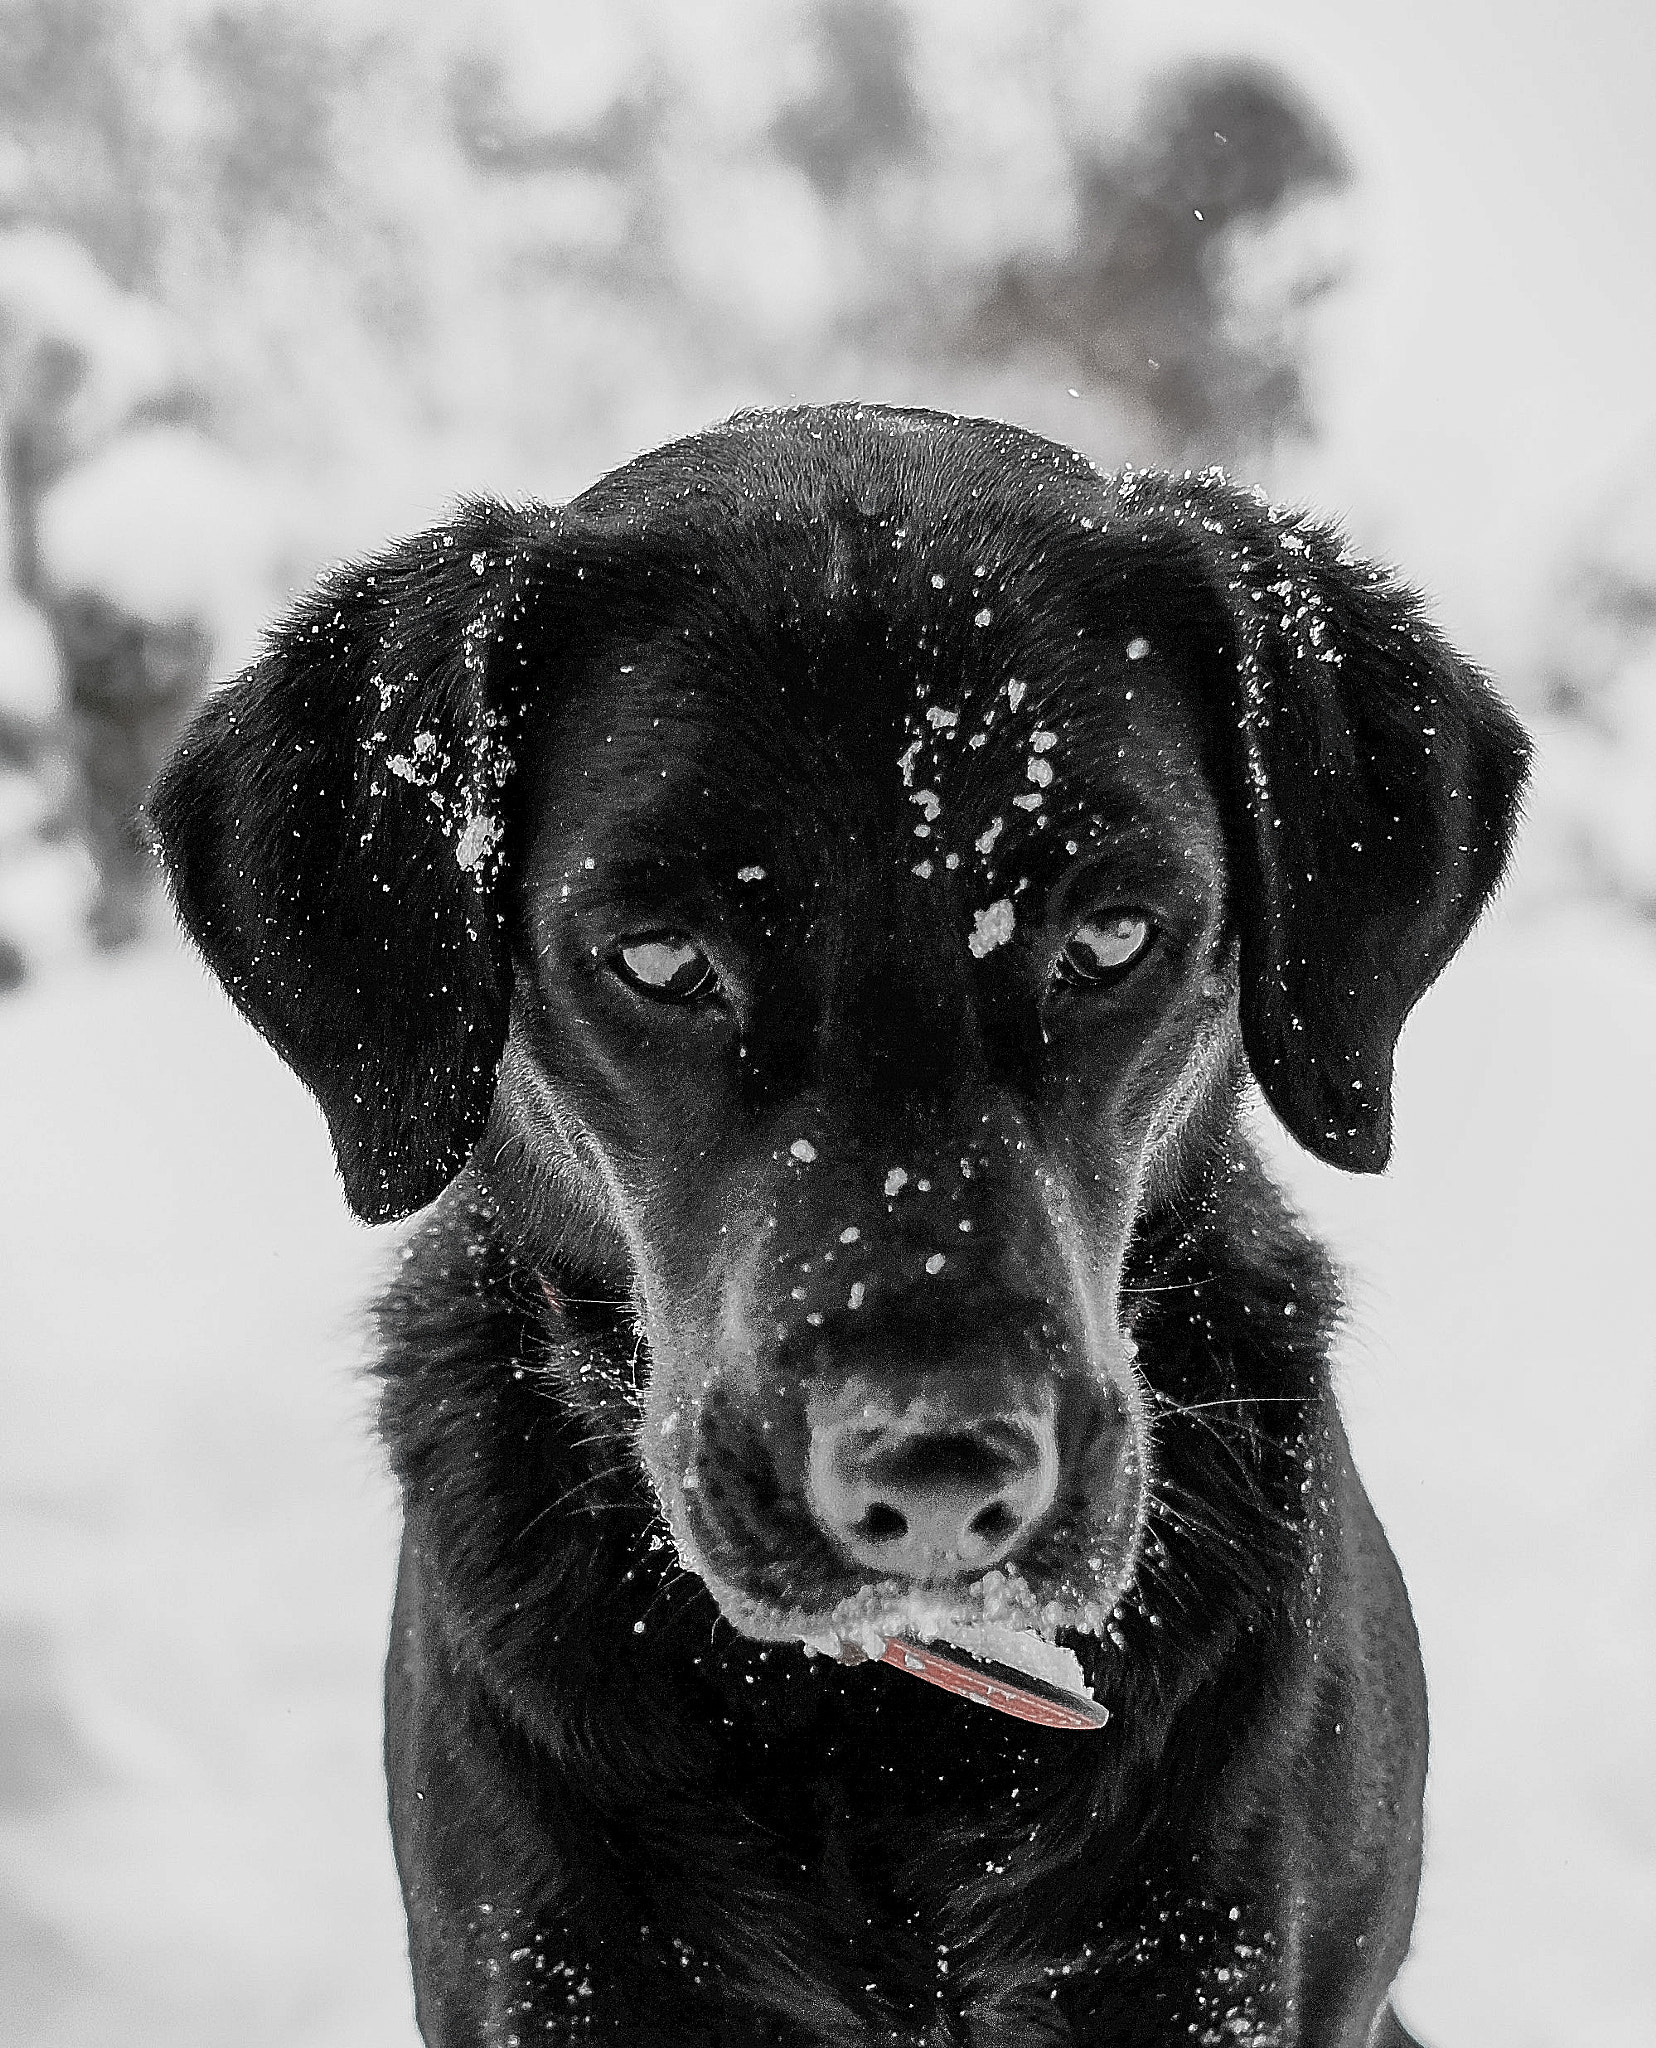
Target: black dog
(806,912)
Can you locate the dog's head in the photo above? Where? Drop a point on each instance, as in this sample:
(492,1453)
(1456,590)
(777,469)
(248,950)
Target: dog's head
(835,876)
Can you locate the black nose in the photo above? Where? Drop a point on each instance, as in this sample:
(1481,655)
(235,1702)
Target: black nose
(933,1481)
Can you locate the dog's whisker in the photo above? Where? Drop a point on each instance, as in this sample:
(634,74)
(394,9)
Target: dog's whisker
(1173,1406)
(1139,1290)
(1222,1422)
(570,1493)
(1227,1433)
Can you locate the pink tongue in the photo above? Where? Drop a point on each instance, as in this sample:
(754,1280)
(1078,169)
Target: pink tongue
(1027,1699)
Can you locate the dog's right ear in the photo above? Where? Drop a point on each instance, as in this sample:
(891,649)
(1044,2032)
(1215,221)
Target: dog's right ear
(333,827)
(1371,782)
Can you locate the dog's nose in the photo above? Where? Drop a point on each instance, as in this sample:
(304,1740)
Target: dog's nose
(928,1486)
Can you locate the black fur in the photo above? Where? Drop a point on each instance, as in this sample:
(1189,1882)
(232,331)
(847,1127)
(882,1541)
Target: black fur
(722,693)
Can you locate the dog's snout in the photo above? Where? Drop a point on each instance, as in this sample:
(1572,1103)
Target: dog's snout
(929,1485)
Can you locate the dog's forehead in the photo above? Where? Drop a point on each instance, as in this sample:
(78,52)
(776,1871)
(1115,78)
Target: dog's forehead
(913,678)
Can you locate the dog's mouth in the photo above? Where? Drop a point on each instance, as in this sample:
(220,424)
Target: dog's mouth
(992,1641)
(982,1615)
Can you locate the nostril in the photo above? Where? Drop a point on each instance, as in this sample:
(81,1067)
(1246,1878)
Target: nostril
(882,1523)
(993,1523)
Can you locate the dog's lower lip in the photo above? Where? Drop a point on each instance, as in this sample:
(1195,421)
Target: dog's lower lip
(871,1614)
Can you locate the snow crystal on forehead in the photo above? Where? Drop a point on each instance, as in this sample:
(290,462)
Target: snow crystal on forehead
(479,839)
(991,928)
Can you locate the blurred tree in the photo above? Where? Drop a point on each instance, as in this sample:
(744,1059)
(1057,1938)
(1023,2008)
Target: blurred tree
(863,111)
(272,79)
(509,222)
(79,130)
(1599,675)
(497,137)
(1145,298)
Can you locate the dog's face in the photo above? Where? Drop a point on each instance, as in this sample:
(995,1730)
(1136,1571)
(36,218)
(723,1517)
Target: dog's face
(864,986)
(848,864)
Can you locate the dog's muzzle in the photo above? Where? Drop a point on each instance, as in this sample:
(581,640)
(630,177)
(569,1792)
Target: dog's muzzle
(856,1481)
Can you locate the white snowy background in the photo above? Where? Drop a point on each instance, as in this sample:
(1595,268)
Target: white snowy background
(196,1532)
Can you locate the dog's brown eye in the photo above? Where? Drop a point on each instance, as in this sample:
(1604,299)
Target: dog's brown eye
(667,965)
(1103,948)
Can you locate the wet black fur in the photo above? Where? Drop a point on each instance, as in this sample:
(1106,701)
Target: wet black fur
(615,1818)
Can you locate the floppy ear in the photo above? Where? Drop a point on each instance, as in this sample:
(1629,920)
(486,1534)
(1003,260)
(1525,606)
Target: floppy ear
(1372,781)
(333,826)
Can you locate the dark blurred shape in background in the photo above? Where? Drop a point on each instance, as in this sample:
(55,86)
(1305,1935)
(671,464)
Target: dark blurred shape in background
(1599,673)
(1173,289)
(863,112)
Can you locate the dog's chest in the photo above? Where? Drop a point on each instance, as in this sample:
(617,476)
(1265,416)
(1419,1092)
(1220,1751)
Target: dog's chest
(967,1875)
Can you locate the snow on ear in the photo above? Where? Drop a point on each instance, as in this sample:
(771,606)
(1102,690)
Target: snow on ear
(1372,779)
(333,828)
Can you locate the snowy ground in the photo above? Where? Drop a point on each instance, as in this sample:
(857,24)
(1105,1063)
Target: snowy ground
(196,1536)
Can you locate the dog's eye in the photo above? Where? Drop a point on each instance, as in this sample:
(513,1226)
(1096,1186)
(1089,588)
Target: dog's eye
(1103,948)
(668,966)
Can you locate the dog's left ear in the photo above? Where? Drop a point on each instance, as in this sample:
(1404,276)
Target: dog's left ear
(1372,779)
(333,825)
